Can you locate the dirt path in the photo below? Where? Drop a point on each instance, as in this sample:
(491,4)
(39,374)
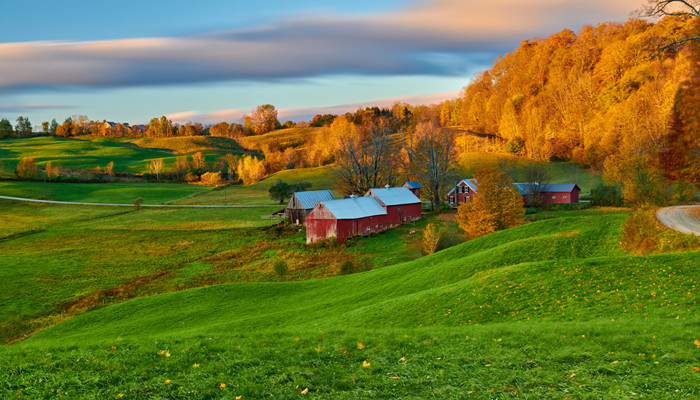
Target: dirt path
(131,205)
(684,219)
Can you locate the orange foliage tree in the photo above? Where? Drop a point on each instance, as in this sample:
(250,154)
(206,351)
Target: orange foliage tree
(497,205)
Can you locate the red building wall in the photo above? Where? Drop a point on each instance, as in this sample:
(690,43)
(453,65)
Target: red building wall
(461,197)
(557,197)
(322,224)
(404,213)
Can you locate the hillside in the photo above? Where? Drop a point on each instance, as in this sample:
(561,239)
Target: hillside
(595,97)
(547,308)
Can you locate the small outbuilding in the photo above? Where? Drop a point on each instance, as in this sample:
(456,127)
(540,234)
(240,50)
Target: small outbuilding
(400,203)
(301,204)
(414,187)
(552,193)
(345,218)
(462,192)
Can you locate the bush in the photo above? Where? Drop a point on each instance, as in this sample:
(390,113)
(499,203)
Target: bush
(644,234)
(431,237)
(26,168)
(515,145)
(281,268)
(606,195)
(346,267)
(449,237)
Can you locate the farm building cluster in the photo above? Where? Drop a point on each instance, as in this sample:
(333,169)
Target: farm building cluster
(379,209)
(384,208)
(552,193)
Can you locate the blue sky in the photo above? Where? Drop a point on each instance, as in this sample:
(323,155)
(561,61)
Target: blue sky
(208,61)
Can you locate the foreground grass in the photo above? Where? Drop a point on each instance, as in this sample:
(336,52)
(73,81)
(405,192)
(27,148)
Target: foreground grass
(550,309)
(601,359)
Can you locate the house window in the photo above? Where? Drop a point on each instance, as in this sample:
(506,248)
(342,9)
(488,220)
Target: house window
(564,197)
(554,197)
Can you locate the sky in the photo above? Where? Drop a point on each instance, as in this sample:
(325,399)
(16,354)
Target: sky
(215,60)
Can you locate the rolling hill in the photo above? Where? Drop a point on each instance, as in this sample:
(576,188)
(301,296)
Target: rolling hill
(546,310)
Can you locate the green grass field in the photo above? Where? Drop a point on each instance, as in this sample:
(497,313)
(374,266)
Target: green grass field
(121,193)
(550,309)
(130,155)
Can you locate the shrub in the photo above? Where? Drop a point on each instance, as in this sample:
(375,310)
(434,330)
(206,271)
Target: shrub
(431,236)
(137,203)
(211,178)
(644,234)
(515,145)
(26,168)
(449,237)
(606,195)
(281,268)
(346,267)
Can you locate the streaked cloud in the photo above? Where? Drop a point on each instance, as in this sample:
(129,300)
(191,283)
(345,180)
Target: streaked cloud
(445,37)
(30,106)
(306,113)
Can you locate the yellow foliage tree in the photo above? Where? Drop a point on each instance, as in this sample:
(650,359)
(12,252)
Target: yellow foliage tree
(250,169)
(26,168)
(497,205)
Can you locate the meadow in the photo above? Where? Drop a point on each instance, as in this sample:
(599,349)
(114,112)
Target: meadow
(130,155)
(551,309)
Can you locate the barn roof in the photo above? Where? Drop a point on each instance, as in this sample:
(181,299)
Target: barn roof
(524,188)
(394,196)
(413,185)
(309,199)
(354,207)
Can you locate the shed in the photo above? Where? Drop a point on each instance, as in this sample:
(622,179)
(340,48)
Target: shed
(344,218)
(462,192)
(552,193)
(414,187)
(301,204)
(400,204)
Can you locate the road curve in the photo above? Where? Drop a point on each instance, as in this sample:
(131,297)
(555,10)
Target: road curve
(132,205)
(684,219)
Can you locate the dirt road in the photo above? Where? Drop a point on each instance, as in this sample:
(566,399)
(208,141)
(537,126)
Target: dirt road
(684,219)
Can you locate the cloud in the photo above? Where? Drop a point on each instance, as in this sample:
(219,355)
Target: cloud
(25,107)
(306,113)
(445,37)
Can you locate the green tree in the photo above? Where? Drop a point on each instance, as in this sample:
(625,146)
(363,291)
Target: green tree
(281,190)
(496,205)
(5,128)
(54,125)
(23,127)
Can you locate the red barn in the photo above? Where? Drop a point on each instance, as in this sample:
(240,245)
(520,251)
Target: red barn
(400,203)
(345,218)
(552,193)
(414,187)
(465,190)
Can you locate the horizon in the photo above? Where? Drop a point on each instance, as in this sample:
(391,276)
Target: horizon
(218,61)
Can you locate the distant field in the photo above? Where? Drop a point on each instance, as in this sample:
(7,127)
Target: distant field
(123,193)
(319,177)
(282,138)
(128,154)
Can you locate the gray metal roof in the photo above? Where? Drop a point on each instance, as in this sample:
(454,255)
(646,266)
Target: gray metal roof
(309,199)
(413,185)
(354,207)
(395,196)
(524,188)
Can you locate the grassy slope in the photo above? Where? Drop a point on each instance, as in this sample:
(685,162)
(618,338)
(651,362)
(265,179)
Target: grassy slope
(128,154)
(282,138)
(74,258)
(257,193)
(548,309)
(123,193)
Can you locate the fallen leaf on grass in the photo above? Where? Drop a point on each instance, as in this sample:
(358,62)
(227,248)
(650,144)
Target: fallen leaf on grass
(396,378)
(305,391)
(360,345)
(365,363)
(695,369)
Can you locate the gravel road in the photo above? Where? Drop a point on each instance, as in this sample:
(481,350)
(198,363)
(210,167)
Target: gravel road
(680,218)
